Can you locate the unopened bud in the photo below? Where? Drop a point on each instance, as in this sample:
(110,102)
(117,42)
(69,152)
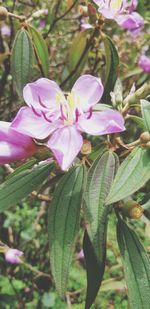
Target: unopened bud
(132,210)
(3,13)
(83,10)
(86,147)
(91,9)
(136,212)
(145,137)
(148,144)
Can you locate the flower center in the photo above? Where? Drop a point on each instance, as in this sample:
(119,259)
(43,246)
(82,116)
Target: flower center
(69,107)
(115,4)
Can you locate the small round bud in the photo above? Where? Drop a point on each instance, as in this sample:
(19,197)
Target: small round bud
(145,137)
(136,212)
(3,13)
(83,10)
(86,147)
(148,144)
(132,209)
(38,227)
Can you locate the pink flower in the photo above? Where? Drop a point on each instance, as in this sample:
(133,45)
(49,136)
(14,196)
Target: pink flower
(131,22)
(111,8)
(61,120)
(144,63)
(85,26)
(5,30)
(13,145)
(13,256)
(80,255)
(122,11)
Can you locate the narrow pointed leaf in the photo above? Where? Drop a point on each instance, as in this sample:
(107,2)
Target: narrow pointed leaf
(136,266)
(63,224)
(22,60)
(145,107)
(132,174)
(99,181)
(100,178)
(40,49)
(94,270)
(138,120)
(18,187)
(112,62)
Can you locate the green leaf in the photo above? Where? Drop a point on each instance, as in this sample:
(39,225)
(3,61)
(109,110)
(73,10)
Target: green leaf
(63,224)
(99,181)
(75,53)
(94,270)
(100,178)
(40,48)
(112,62)
(145,107)
(136,266)
(132,174)
(137,120)
(18,187)
(23,167)
(22,60)
(77,47)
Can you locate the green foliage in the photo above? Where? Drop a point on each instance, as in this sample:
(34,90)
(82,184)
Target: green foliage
(22,60)
(40,49)
(135,166)
(136,265)
(63,224)
(145,106)
(18,187)
(49,43)
(112,62)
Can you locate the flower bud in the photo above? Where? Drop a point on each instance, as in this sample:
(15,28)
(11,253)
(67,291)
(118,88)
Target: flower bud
(13,256)
(132,210)
(148,145)
(145,137)
(86,147)
(83,10)
(3,13)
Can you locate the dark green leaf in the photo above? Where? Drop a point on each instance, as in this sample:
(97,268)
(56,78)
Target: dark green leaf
(100,178)
(99,181)
(94,269)
(145,106)
(137,120)
(112,62)
(63,224)
(132,174)
(40,49)
(136,266)
(19,186)
(22,60)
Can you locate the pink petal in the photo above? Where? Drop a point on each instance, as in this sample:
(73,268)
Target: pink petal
(13,145)
(65,143)
(29,123)
(88,91)
(144,63)
(42,94)
(13,256)
(130,21)
(100,123)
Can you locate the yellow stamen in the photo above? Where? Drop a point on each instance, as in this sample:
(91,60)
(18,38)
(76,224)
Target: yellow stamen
(115,4)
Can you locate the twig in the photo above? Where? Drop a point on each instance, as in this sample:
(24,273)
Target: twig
(60,17)
(88,45)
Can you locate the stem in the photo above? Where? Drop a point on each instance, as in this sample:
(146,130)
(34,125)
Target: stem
(20,18)
(88,45)
(60,17)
